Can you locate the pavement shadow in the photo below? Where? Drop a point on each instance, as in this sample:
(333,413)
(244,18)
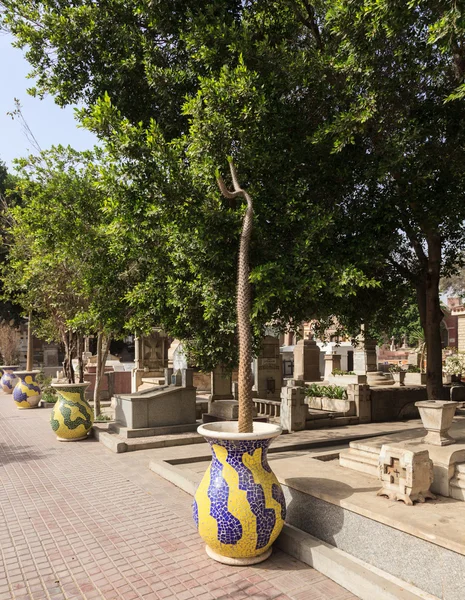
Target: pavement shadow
(18,454)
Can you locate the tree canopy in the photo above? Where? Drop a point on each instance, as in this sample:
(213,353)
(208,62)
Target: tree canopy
(344,119)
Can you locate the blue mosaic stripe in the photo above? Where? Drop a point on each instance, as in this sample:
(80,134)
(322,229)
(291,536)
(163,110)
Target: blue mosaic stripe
(278,495)
(229,527)
(195,513)
(266,517)
(31,386)
(7,380)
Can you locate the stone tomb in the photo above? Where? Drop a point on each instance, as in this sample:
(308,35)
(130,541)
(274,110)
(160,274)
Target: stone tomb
(162,410)
(307,360)
(267,370)
(448,461)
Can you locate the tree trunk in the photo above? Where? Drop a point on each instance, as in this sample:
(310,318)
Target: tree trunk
(243,304)
(30,345)
(79,357)
(431,320)
(68,343)
(103,346)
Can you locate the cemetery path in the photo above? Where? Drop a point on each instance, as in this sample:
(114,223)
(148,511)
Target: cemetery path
(79,522)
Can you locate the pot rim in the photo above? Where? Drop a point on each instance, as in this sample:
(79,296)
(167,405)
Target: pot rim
(26,373)
(227,430)
(436,403)
(69,385)
(9,366)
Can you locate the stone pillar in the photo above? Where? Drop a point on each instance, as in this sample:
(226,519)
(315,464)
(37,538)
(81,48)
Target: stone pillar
(361,395)
(365,358)
(332,362)
(136,352)
(171,351)
(268,370)
(187,378)
(307,360)
(294,411)
(460,332)
(168,374)
(221,385)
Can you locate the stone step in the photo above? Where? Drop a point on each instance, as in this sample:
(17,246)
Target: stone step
(315,413)
(118,444)
(457,489)
(332,421)
(460,468)
(359,460)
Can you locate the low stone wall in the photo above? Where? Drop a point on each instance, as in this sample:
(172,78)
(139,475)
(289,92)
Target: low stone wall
(113,382)
(395,403)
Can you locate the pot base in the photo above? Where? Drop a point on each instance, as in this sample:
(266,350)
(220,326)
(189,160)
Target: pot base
(238,562)
(83,437)
(27,407)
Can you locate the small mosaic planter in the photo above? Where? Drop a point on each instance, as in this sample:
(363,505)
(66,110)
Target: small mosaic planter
(27,391)
(239,506)
(72,417)
(9,379)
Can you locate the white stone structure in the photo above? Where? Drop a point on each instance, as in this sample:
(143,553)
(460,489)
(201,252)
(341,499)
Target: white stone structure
(406,475)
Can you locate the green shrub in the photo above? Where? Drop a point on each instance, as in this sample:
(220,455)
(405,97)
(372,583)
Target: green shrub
(413,369)
(328,391)
(45,385)
(341,372)
(102,418)
(395,369)
(49,397)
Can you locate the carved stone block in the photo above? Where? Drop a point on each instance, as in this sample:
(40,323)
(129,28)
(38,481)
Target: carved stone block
(406,475)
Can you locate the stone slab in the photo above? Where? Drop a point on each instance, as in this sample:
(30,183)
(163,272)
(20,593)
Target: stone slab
(126,432)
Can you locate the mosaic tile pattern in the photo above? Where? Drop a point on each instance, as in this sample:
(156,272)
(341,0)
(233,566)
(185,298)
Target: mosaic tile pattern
(9,380)
(27,393)
(239,506)
(71,417)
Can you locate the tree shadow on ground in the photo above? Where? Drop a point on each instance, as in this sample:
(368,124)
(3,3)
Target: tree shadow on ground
(18,454)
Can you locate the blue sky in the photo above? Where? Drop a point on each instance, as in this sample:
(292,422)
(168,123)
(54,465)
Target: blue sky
(50,124)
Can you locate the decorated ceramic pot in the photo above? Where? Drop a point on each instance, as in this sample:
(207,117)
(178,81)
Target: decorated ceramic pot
(239,506)
(9,379)
(72,417)
(27,391)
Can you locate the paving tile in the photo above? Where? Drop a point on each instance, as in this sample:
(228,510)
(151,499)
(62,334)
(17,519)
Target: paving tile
(78,522)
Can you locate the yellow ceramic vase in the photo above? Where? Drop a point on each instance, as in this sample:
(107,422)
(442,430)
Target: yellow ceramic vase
(27,391)
(72,417)
(239,506)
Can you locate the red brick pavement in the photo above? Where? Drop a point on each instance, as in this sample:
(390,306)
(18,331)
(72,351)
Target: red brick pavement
(77,521)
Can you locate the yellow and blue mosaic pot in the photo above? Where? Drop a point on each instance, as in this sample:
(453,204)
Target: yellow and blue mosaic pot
(239,506)
(72,417)
(27,392)
(9,379)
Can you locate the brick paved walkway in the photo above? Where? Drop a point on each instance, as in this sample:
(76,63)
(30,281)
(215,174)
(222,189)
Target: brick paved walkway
(77,521)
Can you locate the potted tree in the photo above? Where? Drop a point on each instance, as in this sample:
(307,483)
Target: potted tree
(239,507)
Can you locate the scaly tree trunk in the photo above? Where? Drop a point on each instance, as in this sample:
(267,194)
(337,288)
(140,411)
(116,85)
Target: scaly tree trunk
(243,304)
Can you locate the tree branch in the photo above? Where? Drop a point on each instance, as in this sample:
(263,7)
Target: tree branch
(308,20)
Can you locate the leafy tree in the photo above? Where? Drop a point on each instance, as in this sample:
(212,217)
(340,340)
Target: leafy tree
(402,63)
(59,263)
(344,119)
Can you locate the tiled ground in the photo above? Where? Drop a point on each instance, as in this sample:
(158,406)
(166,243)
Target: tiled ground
(77,521)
